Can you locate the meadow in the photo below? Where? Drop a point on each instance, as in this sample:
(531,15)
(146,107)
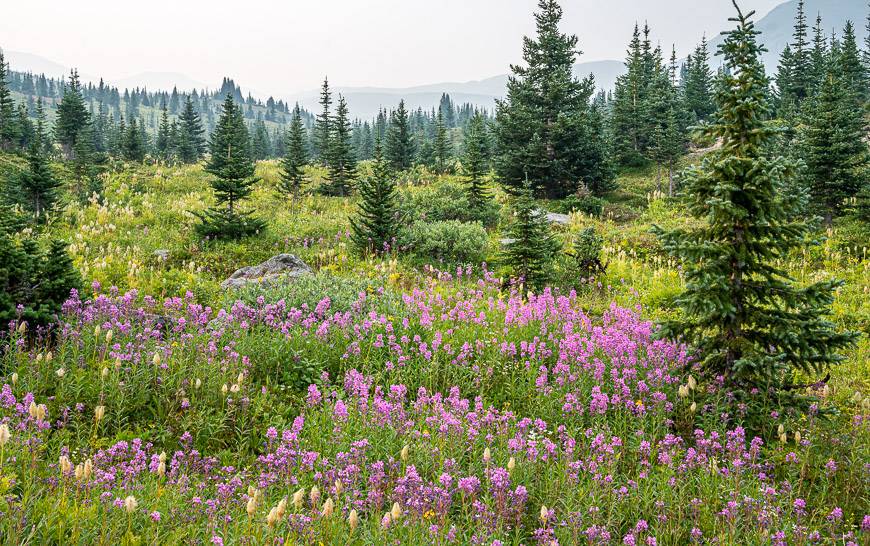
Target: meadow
(411,398)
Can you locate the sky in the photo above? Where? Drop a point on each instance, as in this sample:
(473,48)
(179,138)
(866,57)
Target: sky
(281,47)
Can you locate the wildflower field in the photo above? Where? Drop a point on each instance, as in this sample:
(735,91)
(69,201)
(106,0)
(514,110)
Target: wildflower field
(399,400)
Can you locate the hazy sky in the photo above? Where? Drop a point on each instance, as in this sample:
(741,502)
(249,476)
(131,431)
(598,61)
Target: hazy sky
(280,47)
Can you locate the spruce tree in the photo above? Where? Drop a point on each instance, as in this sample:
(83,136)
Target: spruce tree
(475,162)
(750,325)
(37,185)
(697,87)
(72,115)
(832,142)
(543,130)
(163,144)
(376,224)
(340,159)
(133,147)
(441,145)
(233,169)
(530,247)
(191,139)
(323,126)
(295,158)
(399,150)
(9,130)
(850,67)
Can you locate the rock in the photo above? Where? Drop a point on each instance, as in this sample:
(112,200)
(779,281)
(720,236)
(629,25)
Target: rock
(556,218)
(162,254)
(282,266)
(506,241)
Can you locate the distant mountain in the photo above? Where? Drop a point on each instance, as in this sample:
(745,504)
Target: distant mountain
(159,81)
(27,62)
(364,102)
(777,26)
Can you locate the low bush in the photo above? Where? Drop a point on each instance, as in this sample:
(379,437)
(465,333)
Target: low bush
(447,241)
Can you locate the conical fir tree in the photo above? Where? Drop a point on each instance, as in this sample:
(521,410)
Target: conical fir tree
(341,160)
(9,130)
(543,128)
(37,185)
(72,115)
(376,224)
(475,162)
(748,322)
(832,142)
(323,125)
(531,246)
(191,142)
(441,146)
(399,150)
(295,158)
(233,170)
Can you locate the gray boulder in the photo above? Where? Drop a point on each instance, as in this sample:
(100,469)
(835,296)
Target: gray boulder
(556,218)
(276,268)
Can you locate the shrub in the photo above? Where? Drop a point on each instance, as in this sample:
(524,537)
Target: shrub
(449,240)
(445,201)
(586,250)
(587,204)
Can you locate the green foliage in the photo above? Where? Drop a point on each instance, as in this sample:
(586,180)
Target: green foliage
(9,127)
(323,126)
(546,129)
(447,200)
(833,146)
(34,282)
(749,323)
(698,84)
(442,148)
(581,202)
(531,246)
(449,241)
(191,139)
(233,170)
(376,224)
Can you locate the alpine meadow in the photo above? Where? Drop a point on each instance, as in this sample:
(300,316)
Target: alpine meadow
(550,308)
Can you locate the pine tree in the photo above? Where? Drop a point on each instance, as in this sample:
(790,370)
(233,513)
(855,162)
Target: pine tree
(475,163)
(376,224)
(37,185)
(163,145)
(399,150)
(295,159)
(9,130)
(323,126)
(72,115)
(818,56)
(441,146)
(233,169)
(749,324)
(543,131)
(850,66)
(697,87)
(191,142)
(133,148)
(832,142)
(665,111)
(340,159)
(530,246)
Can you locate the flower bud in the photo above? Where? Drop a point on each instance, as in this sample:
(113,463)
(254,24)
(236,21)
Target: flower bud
(338,487)
(545,513)
(512,463)
(298,497)
(282,507)
(105,373)
(60,372)
(5,435)
(272,518)
(692,383)
(487,455)
(396,511)
(314,495)
(797,437)
(109,335)
(353,520)
(15,378)
(65,465)
(251,507)
(405,451)
(130,504)
(99,413)
(328,508)
(386,521)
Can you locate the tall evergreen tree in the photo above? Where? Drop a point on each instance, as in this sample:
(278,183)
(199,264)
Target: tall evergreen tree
(475,162)
(748,322)
(849,65)
(818,56)
(530,246)
(698,85)
(163,144)
(9,130)
(231,165)
(441,146)
(37,185)
(341,160)
(323,125)
(832,142)
(543,130)
(72,115)
(191,139)
(295,159)
(133,146)
(376,224)
(399,151)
